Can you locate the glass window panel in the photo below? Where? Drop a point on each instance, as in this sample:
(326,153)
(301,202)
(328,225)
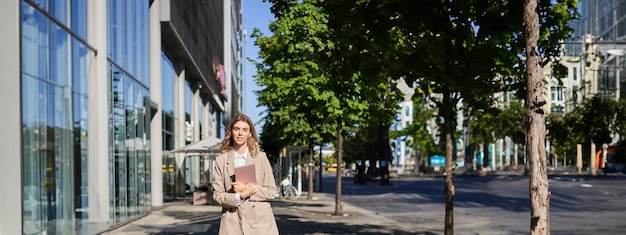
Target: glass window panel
(110,29)
(169,176)
(128,24)
(81,171)
(147,201)
(140,147)
(63,160)
(129,108)
(200,118)
(113,116)
(141,179)
(34,42)
(188,97)
(79,14)
(137,40)
(43,4)
(145,32)
(119,165)
(131,146)
(79,67)
(59,56)
(132,183)
(58,9)
(34,142)
(147,116)
(140,112)
(167,85)
(117,31)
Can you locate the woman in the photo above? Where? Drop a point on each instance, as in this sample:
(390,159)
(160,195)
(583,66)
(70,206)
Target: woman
(245,207)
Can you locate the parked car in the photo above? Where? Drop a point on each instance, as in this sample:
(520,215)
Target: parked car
(615,159)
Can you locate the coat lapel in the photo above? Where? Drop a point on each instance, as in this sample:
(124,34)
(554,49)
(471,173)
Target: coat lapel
(230,165)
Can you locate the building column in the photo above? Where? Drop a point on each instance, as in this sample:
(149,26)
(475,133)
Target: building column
(194,162)
(179,126)
(98,126)
(10,93)
(156,129)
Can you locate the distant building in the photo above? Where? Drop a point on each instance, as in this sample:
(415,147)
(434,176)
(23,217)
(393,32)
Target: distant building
(595,54)
(402,154)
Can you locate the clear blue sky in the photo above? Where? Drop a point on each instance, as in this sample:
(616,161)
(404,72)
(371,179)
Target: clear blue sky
(256,14)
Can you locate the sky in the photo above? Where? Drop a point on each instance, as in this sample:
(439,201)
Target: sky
(256,14)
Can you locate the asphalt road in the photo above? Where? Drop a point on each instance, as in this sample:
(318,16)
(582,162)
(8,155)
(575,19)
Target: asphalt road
(493,204)
(485,205)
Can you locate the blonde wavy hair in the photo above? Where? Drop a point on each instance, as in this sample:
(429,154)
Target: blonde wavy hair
(253,141)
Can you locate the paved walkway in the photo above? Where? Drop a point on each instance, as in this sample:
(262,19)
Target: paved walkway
(300,216)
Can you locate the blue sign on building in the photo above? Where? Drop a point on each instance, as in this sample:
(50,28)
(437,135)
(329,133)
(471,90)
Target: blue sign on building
(437,160)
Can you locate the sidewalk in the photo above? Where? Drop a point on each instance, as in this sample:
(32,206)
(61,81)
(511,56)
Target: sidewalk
(300,216)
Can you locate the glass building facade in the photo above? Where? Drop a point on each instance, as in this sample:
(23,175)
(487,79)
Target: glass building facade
(54,116)
(101,92)
(55,94)
(129,100)
(599,39)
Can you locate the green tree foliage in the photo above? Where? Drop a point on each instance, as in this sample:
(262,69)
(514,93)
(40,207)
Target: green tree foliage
(619,126)
(420,134)
(335,56)
(456,49)
(593,120)
(486,126)
(565,132)
(307,82)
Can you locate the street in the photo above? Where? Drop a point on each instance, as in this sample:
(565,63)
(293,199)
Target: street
(494,204)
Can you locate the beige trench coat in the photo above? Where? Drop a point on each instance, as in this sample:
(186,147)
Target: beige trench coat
(254,215)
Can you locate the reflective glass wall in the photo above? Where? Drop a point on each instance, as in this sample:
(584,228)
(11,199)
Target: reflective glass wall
(129,107)
(54,116)
(168,75)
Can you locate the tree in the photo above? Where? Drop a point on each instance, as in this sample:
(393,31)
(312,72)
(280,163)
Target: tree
(482,125)
(619,126)
(565,132)
(308,81)
(455,50)
(592,121)
(419,134)
(368,53)
(465,51)
(292,80)
(544,27)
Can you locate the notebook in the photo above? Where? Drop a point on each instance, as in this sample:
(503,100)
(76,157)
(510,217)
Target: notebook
(245,174)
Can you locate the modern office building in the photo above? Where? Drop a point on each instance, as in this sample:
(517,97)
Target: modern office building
(595,55)
(95,94)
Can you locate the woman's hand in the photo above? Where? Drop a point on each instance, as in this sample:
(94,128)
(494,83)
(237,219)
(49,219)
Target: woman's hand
(247,189)
(238,186)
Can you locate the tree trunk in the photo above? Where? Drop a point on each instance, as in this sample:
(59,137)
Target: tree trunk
(311,174)
(486,162)
(383,139)
(338,211)
(449,183)
(535,125)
